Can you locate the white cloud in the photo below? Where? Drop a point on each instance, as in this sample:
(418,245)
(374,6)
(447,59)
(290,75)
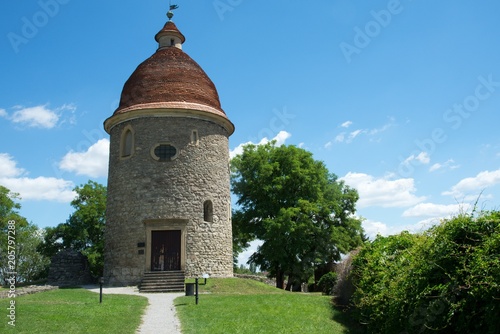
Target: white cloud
(433,210)
(382,191)
(8,167)
(39,116)
(422,157)
(383,128)
(436,167)
(354,134)
(420,226)
(280,138)
(373,228)
(340,137)
(348,138)
(329,144)
(40,188)
(474,184)
(449,164)
(93,162)
(3,113)
(36,117)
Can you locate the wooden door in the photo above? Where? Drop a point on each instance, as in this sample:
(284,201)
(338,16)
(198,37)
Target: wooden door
(165,250)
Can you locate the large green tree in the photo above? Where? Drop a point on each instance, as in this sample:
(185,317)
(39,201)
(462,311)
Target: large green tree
(84,229)
(23,238)
(303,214)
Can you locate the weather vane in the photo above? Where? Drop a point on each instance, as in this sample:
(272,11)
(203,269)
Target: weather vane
(170,13)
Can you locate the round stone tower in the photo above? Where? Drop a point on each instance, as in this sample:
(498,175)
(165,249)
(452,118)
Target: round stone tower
(168,203)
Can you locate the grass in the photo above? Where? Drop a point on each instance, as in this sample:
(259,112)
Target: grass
(245,306)
(235,286)
(73,311)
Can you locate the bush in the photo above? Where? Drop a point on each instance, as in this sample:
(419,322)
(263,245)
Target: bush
(446,280)
(327,282)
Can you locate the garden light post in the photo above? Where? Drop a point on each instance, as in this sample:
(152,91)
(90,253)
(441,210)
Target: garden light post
(101,281)
(196,283)
(205,276)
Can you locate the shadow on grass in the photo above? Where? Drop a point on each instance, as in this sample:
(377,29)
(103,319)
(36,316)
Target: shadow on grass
(343,315)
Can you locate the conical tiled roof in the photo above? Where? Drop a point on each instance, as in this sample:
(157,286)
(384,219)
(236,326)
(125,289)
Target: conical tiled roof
(169,75)
(169,81)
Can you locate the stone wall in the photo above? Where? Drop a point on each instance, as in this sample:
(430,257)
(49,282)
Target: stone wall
(263,279)
(69,268)
(145,195)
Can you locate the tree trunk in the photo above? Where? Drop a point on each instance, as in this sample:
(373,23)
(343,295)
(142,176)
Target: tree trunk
(289,283)
(279,279)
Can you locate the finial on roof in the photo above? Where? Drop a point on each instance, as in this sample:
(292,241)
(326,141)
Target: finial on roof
(170,13)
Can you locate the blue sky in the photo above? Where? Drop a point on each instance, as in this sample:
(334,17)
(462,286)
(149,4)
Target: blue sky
(400,99)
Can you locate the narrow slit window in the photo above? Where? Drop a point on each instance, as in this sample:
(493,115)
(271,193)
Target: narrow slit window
(208,211)
(194,137)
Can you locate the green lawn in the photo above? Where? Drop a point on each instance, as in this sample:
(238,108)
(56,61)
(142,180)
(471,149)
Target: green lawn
(73,311)
(246,306)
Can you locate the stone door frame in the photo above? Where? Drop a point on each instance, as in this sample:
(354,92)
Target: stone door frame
(165,225)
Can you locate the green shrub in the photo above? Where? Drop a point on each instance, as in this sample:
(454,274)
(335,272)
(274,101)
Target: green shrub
(380,275)
(446,280)
(327,282)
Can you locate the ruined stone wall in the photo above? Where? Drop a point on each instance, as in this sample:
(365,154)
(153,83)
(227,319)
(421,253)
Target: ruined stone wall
(145,194)
(69,268)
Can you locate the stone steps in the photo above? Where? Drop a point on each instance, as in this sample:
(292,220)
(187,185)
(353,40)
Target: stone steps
(162,281)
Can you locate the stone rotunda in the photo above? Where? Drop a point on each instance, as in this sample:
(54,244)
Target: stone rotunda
(169,206)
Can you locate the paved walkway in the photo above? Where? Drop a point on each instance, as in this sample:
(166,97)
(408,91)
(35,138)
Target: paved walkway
(160,314)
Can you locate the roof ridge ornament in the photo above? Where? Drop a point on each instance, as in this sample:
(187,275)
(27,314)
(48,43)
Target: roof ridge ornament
(170,13)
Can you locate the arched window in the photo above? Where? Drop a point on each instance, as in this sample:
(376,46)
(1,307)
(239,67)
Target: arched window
(127,143)
(208,211)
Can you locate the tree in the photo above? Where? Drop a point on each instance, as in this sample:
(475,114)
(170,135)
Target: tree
(240,238)
(303,214)
(23,239)
(84,229)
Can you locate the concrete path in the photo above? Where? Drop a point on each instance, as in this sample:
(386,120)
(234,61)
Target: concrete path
(160,314)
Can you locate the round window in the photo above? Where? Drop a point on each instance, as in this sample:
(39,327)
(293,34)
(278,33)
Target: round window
(165,152)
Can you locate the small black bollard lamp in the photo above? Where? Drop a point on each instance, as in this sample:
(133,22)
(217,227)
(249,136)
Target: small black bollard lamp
(101,282)
(196,294)
(205,276)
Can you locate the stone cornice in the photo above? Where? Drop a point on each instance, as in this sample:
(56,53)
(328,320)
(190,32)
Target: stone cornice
(170,109)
